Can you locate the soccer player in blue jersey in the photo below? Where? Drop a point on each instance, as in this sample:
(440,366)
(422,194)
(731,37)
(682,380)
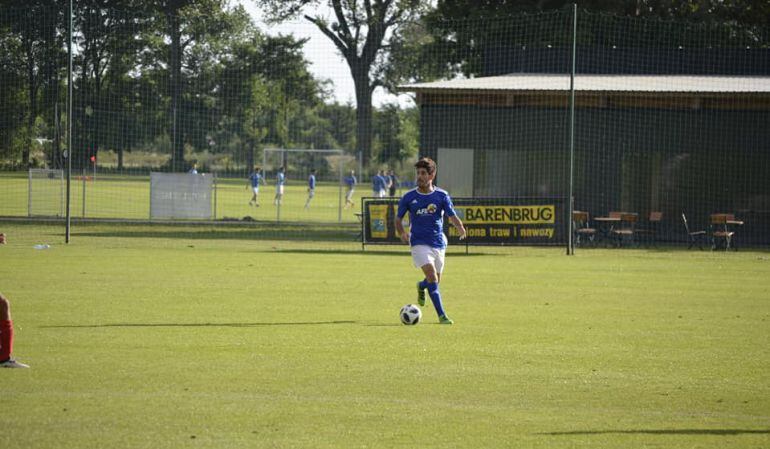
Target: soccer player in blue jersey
(427,205)
(255,179)
(310,188)
(376,184)
(280,180)
(351,182)
(380,184)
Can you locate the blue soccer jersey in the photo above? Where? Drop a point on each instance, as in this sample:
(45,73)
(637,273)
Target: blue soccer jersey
(255,178)
(311,182)
(280,178)
(426,216)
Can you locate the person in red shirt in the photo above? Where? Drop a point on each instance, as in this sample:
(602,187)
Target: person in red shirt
(6,336)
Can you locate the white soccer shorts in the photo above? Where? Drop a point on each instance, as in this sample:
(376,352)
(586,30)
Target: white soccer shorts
(424,254)
(279,189)
(255,190)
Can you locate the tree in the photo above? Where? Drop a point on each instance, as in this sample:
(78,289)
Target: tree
(106,44)
(265,88)
(462,30)
(187,23)
(342,120)
(360,29)
(33,25)
(396,133)
(12,93)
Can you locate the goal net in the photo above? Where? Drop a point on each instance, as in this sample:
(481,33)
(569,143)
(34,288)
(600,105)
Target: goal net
(46,192)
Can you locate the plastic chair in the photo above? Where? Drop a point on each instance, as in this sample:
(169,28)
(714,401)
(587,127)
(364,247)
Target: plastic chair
(696,237)
(721,235)
(580,223)
(625,229)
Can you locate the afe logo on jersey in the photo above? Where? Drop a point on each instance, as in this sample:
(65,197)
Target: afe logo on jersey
(431,209)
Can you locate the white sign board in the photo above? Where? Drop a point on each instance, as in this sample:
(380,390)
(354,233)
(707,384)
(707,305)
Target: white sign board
(180,196)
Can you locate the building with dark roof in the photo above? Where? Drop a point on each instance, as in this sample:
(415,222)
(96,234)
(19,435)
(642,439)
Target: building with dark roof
(673,143)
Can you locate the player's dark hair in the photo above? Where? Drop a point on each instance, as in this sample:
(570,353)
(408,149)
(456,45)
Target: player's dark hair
(427,163)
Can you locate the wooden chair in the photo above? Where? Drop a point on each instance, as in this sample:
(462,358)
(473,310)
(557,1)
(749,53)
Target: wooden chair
(580,224)
(695,237)
(649,232)
(721,235)
(625,229)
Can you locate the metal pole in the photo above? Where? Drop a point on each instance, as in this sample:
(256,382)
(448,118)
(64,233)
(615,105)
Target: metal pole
(339,203)
(570,199)
(69,123)
(29,193)
(279,199)
(84,191)
(215,195)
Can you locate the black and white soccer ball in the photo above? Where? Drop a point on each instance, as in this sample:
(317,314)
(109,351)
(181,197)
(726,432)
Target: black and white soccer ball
(410,314)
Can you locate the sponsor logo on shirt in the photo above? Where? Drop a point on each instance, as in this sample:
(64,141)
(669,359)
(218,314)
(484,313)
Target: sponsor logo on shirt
(431,209)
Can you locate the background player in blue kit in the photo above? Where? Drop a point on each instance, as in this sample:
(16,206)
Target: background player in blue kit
(310,188)
(379,184)
(351,182)
(255,179)
(427,205)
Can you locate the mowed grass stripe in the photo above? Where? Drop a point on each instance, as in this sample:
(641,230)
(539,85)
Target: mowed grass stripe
(172,341)
(128,197)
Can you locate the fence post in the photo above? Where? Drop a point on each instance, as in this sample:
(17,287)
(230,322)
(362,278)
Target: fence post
(570,199)
(69,122)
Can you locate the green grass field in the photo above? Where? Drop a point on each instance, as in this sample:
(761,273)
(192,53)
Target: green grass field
(166,337)
(124,196)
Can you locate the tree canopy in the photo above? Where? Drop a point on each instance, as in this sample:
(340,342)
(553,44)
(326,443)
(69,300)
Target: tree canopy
(360,30)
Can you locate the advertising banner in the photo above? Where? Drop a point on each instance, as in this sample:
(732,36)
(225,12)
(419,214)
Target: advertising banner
(180,196)
(488,221)
(511,221)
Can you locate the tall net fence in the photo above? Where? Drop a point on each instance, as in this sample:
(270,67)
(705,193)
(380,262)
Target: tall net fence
(668,122)
(670,118)
(683,132)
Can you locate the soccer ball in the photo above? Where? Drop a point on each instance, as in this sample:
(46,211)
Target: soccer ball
(410,314)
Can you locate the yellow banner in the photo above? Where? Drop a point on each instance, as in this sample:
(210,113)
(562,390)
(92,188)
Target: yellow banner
(378,221)
(498,214)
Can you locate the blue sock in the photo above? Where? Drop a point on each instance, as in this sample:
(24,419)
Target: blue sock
(424,284)
(435,297)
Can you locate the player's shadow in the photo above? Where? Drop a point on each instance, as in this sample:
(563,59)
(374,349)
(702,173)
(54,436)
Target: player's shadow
(403,251)
(223,233)
(286,323)
(661,432)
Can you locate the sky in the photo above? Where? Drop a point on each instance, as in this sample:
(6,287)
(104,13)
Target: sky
(325,61)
